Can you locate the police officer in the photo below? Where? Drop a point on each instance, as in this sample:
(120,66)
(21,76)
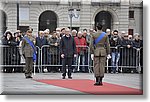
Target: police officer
(28,52)
(99,49)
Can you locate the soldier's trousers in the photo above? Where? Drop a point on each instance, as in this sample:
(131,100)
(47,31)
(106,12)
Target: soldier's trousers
(29,66)
(99,66)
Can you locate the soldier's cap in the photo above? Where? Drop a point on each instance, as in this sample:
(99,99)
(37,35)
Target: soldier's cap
(29,30)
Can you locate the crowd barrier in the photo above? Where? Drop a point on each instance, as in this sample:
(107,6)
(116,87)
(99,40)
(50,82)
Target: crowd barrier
(49,56)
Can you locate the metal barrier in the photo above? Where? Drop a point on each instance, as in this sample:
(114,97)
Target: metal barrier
(11,57)
(49,56)
(129,59)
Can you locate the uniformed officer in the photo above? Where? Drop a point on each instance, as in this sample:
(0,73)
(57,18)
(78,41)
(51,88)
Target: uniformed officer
(100,48)
(28,51)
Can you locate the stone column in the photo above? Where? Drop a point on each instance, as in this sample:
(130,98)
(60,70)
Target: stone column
(124,15)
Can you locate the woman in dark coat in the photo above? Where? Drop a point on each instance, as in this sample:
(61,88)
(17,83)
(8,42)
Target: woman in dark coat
(9,51)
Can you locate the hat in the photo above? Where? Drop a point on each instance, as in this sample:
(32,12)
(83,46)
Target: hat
(29,30)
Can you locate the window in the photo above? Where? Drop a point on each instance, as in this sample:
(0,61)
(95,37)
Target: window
(130,31)
(23,14)
(131,14)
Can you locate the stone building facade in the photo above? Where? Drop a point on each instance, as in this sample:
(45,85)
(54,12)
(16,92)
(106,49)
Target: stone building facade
(123,15)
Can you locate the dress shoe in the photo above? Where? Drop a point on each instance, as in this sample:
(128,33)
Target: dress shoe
(101,84)
(97,84)
(70,77)
(63,77)
(28,77)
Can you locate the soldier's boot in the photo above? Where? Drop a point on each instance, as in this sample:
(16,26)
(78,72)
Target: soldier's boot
(100,81)
(97,82)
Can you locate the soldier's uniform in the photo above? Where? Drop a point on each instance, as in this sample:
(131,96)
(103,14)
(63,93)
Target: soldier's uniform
(28,51)
(100,51)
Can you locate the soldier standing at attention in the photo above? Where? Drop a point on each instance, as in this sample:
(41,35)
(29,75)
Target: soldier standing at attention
(100,48)
(29,52)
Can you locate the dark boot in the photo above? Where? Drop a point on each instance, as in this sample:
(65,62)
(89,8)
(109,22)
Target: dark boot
(97,81)
(63,77)
(100,81)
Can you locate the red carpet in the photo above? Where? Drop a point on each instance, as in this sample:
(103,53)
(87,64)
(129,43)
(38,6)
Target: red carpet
(87,86)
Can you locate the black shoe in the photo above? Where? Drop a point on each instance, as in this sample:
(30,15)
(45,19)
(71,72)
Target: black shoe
(70,77)
(28,77)
(63,77)
(101,84)
(97,84)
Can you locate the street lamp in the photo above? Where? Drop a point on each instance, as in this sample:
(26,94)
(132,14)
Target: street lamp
(17,14)
(71,16)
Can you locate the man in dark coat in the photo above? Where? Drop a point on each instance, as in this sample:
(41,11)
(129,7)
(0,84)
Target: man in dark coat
(138,57)
(126,53)
(67,51)
(40,41)
(54,42)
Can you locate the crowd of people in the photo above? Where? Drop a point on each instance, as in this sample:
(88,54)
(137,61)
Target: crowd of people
(51,52)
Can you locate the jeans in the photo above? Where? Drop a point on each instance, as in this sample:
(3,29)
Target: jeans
(114,61)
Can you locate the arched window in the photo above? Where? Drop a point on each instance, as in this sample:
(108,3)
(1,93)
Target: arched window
(48,20)
(104,18)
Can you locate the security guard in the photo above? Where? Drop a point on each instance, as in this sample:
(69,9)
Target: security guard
(100,48)
(28,51)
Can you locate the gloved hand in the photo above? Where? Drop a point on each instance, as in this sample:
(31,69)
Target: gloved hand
(108,56)
(92,56)
(62,55)
(138,49)
(75,55)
